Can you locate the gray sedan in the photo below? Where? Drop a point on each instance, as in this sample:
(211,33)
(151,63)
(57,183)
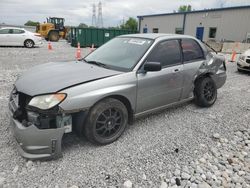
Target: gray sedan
(98,96)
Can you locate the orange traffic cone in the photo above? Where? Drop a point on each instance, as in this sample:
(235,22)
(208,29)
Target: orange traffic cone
(49,46)
(233,56)
(92,48)
(78,52)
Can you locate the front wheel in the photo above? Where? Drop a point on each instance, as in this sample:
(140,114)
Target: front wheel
(205,92)
(54,36)
(106,121)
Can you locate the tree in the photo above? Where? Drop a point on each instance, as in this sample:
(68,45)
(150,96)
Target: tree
(185,8)
(130,24)
(83,25)
(31,23)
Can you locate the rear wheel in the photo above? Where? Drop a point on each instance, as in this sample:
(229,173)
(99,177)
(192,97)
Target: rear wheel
(205,92)
(54,36)
(29,43)
(106,122)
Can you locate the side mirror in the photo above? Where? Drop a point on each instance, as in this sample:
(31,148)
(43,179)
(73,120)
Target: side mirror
(152,66)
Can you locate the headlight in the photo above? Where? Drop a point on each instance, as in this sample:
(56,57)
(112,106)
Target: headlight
(45,102)
(242,57)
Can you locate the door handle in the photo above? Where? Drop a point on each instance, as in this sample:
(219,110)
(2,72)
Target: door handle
(176,70)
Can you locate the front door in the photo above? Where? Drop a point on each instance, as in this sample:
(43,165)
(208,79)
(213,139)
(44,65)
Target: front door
(156,89)
(199,33)
(4,37)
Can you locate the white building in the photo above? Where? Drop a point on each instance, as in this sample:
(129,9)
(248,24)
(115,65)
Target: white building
(221,24)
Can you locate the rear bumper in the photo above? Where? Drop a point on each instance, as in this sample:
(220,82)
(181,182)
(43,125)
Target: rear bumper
(34,143)
(38,43)
(220,79)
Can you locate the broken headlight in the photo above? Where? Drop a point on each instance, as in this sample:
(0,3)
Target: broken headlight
(45,102)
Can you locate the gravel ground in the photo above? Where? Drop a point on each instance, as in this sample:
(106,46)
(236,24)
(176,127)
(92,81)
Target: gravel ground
(184,146)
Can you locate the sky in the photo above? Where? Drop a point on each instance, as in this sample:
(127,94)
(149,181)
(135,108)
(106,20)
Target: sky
(114,11)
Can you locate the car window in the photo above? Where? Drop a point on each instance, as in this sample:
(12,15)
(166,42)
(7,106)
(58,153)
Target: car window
(18,31)
(191,50)
(121,53)
(167,53)
(4,31)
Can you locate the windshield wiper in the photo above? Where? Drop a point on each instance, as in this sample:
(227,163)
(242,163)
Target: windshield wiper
(97,63)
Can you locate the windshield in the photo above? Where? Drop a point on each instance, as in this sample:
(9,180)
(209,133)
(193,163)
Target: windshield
(120,53)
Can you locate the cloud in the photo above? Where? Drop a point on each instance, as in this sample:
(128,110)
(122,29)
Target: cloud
(114,11)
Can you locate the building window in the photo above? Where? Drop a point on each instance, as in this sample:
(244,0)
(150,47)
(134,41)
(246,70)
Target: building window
(179,31)
(212,32)
(155,30)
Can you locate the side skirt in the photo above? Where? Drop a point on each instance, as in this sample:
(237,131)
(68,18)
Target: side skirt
(162,107)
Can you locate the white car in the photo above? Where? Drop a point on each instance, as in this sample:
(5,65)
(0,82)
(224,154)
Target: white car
(12,36)
(243,63)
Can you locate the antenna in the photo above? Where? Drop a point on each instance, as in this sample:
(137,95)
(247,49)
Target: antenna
(94,16)
(99,19)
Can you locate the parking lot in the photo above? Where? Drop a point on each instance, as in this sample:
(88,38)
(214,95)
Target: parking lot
(157,150)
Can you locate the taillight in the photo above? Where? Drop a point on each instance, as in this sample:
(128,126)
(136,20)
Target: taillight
(224,65)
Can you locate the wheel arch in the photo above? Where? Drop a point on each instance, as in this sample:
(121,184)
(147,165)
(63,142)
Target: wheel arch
(203,75)
(79,118)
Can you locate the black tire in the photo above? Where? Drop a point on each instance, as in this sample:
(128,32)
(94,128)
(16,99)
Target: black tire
(54,36)
(106,121)
(205,92)
(239,70)
(29,43)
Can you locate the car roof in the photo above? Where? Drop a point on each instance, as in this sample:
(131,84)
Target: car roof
(12,28)
(157,35)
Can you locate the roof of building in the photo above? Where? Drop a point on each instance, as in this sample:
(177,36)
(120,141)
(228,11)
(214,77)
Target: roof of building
(196,11)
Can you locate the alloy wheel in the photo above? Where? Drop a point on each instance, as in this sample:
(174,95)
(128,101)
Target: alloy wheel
(209,91)
(109,123)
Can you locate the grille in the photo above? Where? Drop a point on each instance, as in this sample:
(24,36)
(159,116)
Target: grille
(23,101)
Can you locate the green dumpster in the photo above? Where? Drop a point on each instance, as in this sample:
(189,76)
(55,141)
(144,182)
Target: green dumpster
(96,36)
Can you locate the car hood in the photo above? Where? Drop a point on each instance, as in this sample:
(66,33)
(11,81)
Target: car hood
(53,77)
(247,52)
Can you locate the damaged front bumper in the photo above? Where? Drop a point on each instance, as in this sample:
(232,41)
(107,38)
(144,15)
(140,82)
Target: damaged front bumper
(39,136)
(34,143)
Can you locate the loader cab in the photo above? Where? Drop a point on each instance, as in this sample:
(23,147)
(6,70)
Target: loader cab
(58,22)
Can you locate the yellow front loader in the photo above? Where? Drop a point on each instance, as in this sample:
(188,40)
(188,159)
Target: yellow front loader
(53,30)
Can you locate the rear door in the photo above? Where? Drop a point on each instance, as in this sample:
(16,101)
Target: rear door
(156,89)
(4,37)
(18,37)
(193,58)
